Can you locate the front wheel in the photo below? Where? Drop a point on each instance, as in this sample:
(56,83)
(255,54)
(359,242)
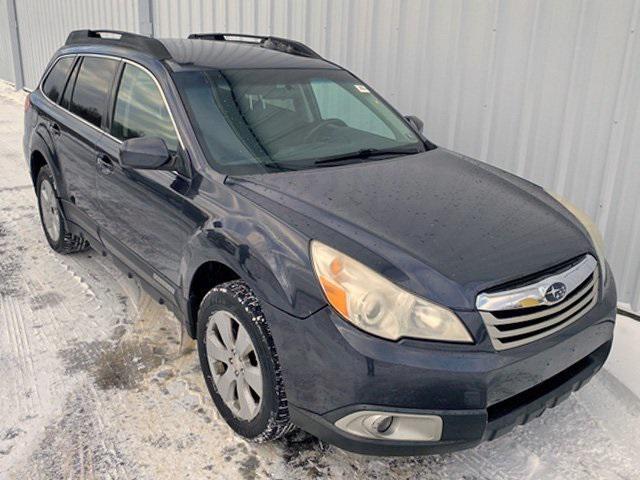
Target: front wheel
(240,363)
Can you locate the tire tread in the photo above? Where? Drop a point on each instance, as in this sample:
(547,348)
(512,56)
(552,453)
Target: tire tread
(279,423)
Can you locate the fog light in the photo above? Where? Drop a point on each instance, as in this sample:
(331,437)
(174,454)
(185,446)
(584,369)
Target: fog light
(383,424)
(377,425)
(399,426)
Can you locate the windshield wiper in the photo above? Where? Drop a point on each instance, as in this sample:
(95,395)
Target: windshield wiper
(366,153)
(276,166)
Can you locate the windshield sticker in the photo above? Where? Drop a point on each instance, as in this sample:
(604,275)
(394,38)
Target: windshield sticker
(362,88)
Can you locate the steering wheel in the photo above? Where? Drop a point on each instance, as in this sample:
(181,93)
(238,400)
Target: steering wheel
(336,122)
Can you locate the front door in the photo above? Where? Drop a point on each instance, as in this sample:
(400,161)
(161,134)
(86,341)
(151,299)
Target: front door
(144,214)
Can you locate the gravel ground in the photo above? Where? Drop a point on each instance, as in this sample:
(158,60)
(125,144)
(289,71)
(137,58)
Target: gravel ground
(97,384)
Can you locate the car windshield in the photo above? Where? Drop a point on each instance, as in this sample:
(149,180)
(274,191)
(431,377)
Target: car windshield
(257,120)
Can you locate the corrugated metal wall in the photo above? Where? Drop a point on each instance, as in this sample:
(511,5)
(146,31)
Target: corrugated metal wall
(546,89)
(6,60)
(44,26)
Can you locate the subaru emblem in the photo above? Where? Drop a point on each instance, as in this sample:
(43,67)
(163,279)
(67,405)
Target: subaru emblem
(555,292)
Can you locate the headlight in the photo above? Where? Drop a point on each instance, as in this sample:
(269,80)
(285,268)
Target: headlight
(592,230)
(375,305)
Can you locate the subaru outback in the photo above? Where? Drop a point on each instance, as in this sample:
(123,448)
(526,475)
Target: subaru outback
(340,272)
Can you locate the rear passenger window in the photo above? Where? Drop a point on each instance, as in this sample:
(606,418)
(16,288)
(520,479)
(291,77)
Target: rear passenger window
(57,78)
(92,88)
(140,110)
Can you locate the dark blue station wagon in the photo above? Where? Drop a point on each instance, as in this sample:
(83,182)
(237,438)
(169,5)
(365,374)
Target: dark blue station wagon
(341,273)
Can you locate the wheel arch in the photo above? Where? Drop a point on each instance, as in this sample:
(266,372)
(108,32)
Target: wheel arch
(40,155)
(208,275)
(36,162)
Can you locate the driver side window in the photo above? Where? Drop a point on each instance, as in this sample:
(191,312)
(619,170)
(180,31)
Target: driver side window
(335,102)
(140,110)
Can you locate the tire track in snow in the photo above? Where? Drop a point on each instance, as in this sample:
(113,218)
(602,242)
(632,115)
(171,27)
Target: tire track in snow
(22,355)
(78,314)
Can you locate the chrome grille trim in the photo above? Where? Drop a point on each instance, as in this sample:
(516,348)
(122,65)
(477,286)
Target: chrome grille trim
(549,311)
(533,294)
(519,326)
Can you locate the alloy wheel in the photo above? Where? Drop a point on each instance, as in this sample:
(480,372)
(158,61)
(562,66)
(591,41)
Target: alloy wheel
(49,209)
(234,365)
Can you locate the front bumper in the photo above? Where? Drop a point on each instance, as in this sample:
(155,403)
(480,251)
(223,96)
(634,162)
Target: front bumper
(331,369)
(461,428)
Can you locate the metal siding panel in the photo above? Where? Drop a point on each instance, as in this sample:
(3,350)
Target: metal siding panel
(475,51)
(44,26)
(548,90)
(6,55)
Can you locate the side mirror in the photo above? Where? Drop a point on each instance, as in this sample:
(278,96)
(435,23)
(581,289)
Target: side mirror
(416,122)
(146,154)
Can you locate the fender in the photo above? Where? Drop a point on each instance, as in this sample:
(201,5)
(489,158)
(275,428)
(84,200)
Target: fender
(270,256)
(41,141)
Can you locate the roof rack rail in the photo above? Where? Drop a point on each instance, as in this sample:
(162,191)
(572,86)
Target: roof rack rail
(264,41)
(118,38)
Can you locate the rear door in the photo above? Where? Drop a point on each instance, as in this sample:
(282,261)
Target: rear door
(145,216)
(79,134)
(53,88)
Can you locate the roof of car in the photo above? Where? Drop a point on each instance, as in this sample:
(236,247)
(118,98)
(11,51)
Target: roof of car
(201,51)
(196,53)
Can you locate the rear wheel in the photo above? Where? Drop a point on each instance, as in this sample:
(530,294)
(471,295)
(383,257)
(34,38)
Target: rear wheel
(52,222)
(240,363)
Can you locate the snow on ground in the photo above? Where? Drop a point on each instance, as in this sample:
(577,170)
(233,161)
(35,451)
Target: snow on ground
(94,382)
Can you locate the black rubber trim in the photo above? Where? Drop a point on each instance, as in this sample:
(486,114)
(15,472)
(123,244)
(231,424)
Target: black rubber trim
(325,430)
(626,313)
(525,406)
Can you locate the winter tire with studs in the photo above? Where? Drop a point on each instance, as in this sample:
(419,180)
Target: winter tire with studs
(240,363)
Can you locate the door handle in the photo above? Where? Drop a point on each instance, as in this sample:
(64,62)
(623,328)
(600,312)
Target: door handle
(104,164)
(55,129)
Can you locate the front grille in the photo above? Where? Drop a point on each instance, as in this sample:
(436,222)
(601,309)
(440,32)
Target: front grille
(511,327)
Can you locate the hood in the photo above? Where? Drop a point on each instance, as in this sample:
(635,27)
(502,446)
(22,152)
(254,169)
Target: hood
(453,226)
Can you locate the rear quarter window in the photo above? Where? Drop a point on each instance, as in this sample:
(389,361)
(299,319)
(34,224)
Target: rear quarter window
(92,87)
(56,80)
